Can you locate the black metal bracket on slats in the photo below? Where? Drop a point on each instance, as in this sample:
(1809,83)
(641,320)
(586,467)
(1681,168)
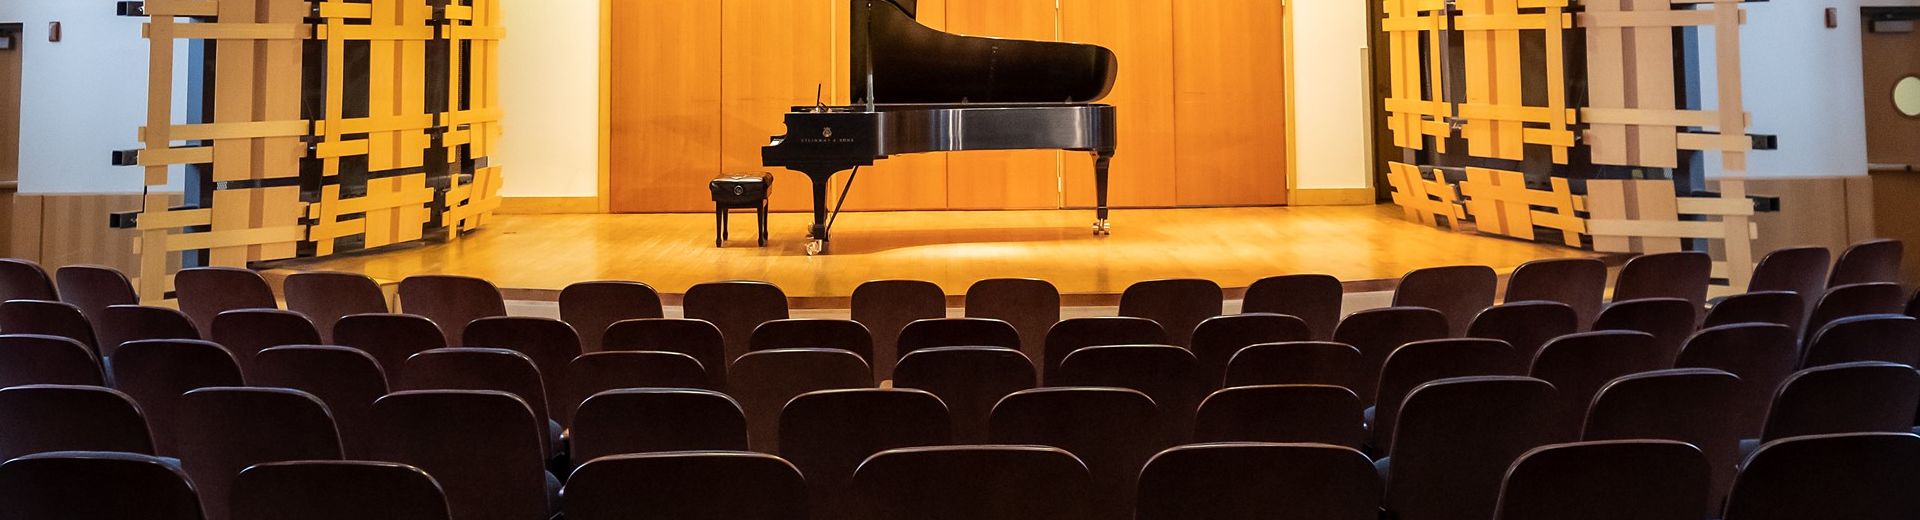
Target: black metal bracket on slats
(126,157)
(1765,142)
(123,219)
(130,8)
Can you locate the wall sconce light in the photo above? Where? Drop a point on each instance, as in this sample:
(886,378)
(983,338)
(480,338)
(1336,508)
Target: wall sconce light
(53,32)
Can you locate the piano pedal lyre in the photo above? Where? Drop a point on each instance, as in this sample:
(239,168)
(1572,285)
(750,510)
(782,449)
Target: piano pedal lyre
(1102,228)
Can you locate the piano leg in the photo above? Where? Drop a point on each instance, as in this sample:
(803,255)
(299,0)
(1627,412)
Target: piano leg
(818,232)
(1100,162)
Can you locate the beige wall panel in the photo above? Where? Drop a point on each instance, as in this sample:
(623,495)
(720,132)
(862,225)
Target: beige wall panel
(24,227)
(774,55)
(666,141)
(1013,179)
(6,229)
(1894,217)
(1230,110)
(74,231)
(1141,32)
(1813,212)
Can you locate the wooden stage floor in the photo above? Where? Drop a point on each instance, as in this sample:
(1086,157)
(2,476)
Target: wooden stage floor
(533,256)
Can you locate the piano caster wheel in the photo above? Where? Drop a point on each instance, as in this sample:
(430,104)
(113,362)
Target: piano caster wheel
(1102,228)
(816,247)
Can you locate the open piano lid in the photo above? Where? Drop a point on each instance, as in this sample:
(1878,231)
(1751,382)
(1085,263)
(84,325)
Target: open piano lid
(915,64)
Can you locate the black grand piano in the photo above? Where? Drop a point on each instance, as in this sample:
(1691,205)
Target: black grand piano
(919,90)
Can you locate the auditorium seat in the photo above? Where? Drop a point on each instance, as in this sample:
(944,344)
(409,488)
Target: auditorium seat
(696,338)
(47,318)
(736,308)
(1800,270)
(1684,275)
(1872,261)
(1856,476)
(1761,354)
(1578,365)
(1299,363)
(1580,283)
(29,359)
(1781,307)
(1282,413)
(225,430)
(1670,320)
(1377,332)
(647,420)
(885,307)
(1455,440)
(1526,326)
(691,485)
(93,288)
(390,339)
(205,292)
(1074,334)
(845,335)
(24,280)
(123,323)
(483,447)
(1011,482)
(969,380)
(1031,305)
(246,332)
(1112,430)
(491,369)
(1459,292)
(551,344)
(451,302)
(827,434)
(591,307)
(1847,301)
(330,490)
(1217,339)
(598,372)
(1178,305)
(956,332)
(1165,373)
(1259,481)
(48,418)
(346,379)
(325,297)
(1866,396)
(156,372)
(85,484)
(1892,338)
(764,381)
(1692,405)
(1314,298)
(1607,480)
(1422,362)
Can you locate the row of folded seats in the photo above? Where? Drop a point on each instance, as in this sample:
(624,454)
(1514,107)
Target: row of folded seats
(1452,411)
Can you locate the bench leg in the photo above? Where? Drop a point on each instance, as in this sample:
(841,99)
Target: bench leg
(720,226)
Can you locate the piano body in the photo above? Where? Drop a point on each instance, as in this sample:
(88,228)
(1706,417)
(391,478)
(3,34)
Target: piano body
(919,90)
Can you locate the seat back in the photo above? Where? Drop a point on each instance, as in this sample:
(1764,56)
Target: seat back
(246,332)
(1864,396)
(70,418)
(1259,481)
(956,332)
(1526,326)
(646,420)
(1074,334)
(390,339)
(1801,270)
(1670,320)
(1868,262)
(1112,430)
(451,302)
(598,372)
(1217,339)
(1579,364)
(1025,482)
(827,434)
(736,308)
(225,430)
(1421,362)
(1455,440)
(47,318)
(695,338)
(69,485)
(1178,305)
(969,380)
(93,288)
(692,485)
(1377,332)
(1031,306)
(24,280)
(1780,307)
(1682,275)
(1282,413)
(1853,476)
(1761,354)
(156,372)
(885,307)
(327,490)
(483,447)
(325,297)
(346,379)
(123,323)
(551,344)
(591,307)
(1849,301)
(1314,298)
(1163,372)
(1607,480)
(493,369)
(31,359)
(1298,363)
(205,292)
(846,335)
(1691,405)
(1580,283)
(764,381)
(1892,338)
(1460,292)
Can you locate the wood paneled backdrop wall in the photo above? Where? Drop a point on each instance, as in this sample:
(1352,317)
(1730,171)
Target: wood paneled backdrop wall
(698,86)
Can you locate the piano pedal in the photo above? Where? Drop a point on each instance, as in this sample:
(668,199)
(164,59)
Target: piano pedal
(1102,228)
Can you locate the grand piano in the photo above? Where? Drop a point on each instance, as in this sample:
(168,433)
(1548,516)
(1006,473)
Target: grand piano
(919,90)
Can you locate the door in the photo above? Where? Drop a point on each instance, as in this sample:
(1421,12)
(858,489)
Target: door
(1890,48)
(10,43)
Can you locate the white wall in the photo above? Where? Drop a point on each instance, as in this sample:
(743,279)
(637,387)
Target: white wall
(81,98)
(1330,94)
(550,95)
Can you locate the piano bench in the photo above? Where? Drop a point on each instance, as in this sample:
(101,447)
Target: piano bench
(740,191)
